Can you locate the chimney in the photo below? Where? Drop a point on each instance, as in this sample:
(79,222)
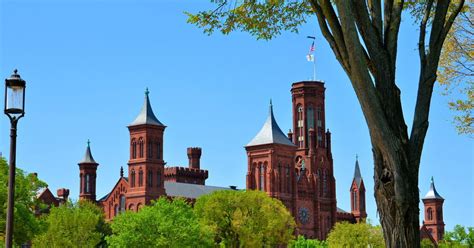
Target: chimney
(290,136)
(194,156)
(63,193)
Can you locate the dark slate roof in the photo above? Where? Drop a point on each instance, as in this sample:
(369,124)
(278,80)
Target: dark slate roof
(357,176)
(146,115)
(270,133)
(88,159)
(188,190)
(104,197)
(432,193)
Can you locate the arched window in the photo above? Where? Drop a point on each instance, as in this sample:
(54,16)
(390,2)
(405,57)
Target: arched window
(354,200)
(140,178)
(299,125)
(122,204)
(88,178)
(310,117)
(158,179)
(280,185)
(131,207)
(150,149)
(134,148)
(132,179)
(140,147)
(262,177)
(288,179)
(81,186)
(325,183)
(150,179)
(429,212)
(158,150)
(319,116)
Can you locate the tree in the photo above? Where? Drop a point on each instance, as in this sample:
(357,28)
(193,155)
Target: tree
(457,69)
(245,218)
(459,237)
(363,35)
(345,234)
(26,225)
(73,225)
(164,223)
(301,242)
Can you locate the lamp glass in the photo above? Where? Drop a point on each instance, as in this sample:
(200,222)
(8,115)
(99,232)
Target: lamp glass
(14,101)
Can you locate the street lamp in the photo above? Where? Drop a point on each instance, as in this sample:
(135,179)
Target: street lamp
(14,109)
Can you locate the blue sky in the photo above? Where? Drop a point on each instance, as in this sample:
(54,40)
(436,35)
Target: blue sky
(87,64)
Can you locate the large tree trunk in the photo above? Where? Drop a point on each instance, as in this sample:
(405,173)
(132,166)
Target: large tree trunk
(397,197)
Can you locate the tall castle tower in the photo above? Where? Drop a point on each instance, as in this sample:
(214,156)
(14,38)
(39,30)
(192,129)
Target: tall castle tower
(146,164)
(88,176)
(358,195)
(298,169)
(314,151)
(433,222)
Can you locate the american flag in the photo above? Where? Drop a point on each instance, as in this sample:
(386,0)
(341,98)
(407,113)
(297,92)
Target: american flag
(311,48)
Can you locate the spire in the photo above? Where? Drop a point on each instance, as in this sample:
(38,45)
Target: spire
(432,193)
(146,115)
(88,159)
(357,176)
(270,132)
(121,171)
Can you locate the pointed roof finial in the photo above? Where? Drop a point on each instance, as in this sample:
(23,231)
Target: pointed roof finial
(88,159)
(432,193)
(270,132)
(121,171)
(146,115)
(357,175)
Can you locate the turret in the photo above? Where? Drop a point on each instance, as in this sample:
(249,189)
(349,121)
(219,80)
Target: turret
(88,175)
(358,195)
(433,222)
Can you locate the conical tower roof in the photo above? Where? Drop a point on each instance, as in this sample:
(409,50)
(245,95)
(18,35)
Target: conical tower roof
(432,193)
(88,159)
(357,175)
(270,133)
(146,115)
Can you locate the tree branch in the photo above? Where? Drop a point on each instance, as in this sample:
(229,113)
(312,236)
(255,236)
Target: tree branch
(421,41)
(376,15)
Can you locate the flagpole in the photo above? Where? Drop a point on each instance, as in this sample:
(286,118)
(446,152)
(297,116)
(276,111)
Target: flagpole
(314,68)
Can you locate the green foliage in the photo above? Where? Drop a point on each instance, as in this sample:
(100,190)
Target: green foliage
(345,234)
(263,19)
(459,237)
(426,243)
(26,188)
(73,225)
(245,218)
(164,223)
(301,242)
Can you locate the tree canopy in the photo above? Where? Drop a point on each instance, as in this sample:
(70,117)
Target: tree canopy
(26,187)
(245,218)
(164,223)
(73,225)
(345,234)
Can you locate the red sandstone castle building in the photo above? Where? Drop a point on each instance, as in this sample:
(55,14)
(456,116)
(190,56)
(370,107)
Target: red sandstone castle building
(296,168)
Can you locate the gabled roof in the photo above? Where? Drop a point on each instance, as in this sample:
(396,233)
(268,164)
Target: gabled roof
(432,193)
(270,133)
(189,190)
(357,175)
(88,159)
(146,115)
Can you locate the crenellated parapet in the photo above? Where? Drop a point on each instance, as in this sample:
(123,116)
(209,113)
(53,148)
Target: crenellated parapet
(186,175)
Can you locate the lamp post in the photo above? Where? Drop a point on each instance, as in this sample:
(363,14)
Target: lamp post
(14,109)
